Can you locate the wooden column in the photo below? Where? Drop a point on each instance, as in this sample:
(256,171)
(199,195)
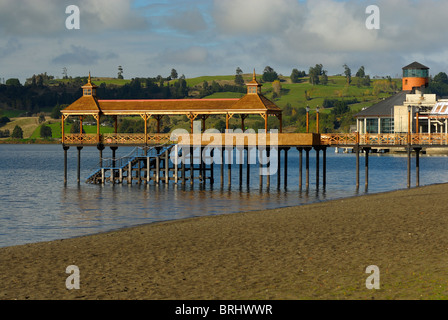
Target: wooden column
(79,165)
(417,166)
(222,165)
(98,134)
(286,167)
(317,167)
(307,167)
(65,163)
(278,167)
(324,167)
(268,176)
(80,124)
(247,166)
(367,150)
(300,166)
(357,166)
(63,128)
(409,165)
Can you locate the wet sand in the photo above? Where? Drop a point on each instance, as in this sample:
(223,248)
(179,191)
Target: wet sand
(317,251)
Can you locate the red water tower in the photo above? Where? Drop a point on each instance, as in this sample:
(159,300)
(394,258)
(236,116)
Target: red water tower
(415,75)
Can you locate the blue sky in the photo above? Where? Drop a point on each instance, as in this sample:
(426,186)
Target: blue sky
(213,37)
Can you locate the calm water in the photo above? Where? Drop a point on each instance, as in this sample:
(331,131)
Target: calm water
(36,206)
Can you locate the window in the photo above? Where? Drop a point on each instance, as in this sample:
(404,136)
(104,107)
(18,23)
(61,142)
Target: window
(372,125)
(387,125)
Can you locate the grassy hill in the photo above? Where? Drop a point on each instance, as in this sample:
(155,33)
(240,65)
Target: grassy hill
(292,97)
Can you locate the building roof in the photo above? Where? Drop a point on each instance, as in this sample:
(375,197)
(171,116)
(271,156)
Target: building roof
(440,109)
(84,105)
(254,103)
(385,107)
(415,65)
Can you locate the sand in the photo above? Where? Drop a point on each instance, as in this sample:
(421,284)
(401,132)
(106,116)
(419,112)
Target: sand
(317,251)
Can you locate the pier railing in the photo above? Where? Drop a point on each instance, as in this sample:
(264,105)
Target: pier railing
(282,139)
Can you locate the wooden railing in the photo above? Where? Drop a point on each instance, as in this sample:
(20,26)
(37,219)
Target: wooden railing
(117,139)
(284,139)
(383,139)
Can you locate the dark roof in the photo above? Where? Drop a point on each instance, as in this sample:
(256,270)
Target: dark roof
(415,65)
(385,107)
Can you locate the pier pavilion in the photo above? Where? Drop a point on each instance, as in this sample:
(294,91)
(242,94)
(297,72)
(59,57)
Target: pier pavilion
(253,103)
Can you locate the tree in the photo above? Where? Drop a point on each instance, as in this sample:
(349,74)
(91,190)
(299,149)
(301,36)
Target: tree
(173,74)
(269,74)
(120,72)
(17,133)
(64,73)
(239,81)
(441,77)
(45,132)
(13,82)
(348,74)
(295,75)
(41,118)
(324,78)
(361,73)
(4,120)
(314,76)
(276,88)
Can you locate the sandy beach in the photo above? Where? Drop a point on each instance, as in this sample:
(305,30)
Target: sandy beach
(317,251)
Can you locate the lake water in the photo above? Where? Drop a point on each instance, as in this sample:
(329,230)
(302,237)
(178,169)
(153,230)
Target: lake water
(37,206)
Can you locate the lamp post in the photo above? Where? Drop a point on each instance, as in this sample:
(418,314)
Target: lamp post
(307,119)
(409,124)
(317,119)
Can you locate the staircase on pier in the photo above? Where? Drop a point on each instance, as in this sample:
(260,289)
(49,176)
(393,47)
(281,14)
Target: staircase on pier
(143,165)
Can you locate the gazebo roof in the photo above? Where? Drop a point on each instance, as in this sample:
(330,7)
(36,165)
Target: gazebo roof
(248,104)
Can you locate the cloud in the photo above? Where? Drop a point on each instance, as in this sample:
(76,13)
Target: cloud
(188,21)
(255,17)
(46,18)
(82,56)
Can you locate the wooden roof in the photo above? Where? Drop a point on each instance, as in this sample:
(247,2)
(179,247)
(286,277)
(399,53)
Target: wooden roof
(254,103)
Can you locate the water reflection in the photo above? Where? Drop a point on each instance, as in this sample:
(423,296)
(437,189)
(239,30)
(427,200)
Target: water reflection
(36,206)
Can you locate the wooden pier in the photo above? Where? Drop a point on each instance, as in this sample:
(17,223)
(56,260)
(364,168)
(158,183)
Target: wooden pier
(153,164)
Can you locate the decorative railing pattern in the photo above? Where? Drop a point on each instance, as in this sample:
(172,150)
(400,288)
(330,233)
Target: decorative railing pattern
(290,139)
(117,139)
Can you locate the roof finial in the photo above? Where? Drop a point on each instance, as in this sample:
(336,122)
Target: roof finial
(89,77)
(254,77)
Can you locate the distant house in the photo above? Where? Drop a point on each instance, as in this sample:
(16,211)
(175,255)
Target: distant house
(391,115)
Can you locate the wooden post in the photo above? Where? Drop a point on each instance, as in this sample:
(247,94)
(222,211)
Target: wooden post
(212,169)
(191,166)
(184,158)
(167,167)
(65,163)
(229,166)
(247,166)
(176,163)
(307,167)
(278,167)
(357,165)
(79,164)
(268,176)
(409,164)
(286,166)
(63,128)
(324,167)
(148,169)
(417,166)
(227,121)
(98,134)
(266,122)
(259,151)
(157,168)
(241,157)
(222,165)
(317,167)
(300,167)
(366,150)
(129,173)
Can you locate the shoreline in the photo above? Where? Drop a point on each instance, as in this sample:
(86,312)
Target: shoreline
(314,251)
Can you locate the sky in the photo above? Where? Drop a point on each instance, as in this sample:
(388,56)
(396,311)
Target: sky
(214,37)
